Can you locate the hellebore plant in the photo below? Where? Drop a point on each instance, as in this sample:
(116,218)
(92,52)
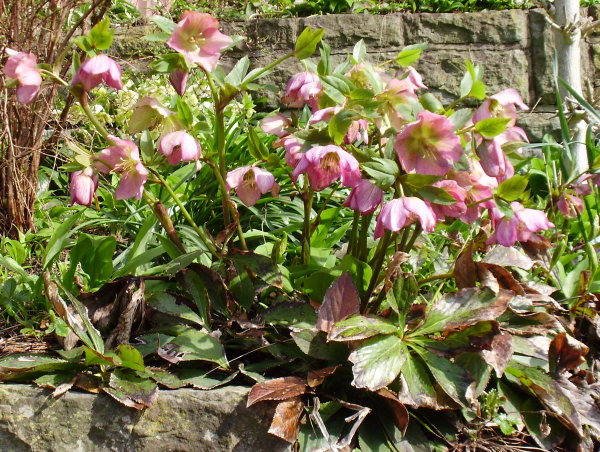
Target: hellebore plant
(375,172)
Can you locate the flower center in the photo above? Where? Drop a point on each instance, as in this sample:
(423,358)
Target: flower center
(331,162)
(249,179)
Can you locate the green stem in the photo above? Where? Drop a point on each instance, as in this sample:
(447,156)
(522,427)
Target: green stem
(306,229)
(209,245)
(353,248)
(95,122)
(165,220)
(455,103)
(378,260)
(363,237)
(435,278)
(413,237)
(317,219)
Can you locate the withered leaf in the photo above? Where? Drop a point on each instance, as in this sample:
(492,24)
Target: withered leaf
(397,408)
(465,271)
(341,300)
(277,389)
(505,278)
(508,257)
(394,267)
(500,352)
(566,353)
(286,420)
(538,250)
(316,377)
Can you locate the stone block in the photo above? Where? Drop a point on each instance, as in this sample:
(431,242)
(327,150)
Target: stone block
(542,54)
(182,420)
(485,27)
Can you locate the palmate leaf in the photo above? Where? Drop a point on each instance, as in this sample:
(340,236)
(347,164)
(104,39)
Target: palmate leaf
(360,327)
(377,362)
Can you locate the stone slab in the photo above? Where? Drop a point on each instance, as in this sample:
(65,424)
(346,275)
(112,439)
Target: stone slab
(180,421)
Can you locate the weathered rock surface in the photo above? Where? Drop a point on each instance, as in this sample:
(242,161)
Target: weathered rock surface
(182,420)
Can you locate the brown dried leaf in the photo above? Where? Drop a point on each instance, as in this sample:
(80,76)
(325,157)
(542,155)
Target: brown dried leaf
(131,309)
(170,353)
(566,353)
(500,352)
(286,420)
(508,257)
(585,399)
(394,268)
(538,250)
(316,377)
(398,409)
(505,278)
(341,300)
(277,389)
(465,270)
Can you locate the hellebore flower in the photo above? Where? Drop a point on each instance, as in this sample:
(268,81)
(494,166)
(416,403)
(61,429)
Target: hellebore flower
(148,113)
(23,67)
(96,70)
(456,210)
(326,164)
(275,125)
(570,205)
(364,197)
(358,130)
(302,88)
(428,145)
(501,105)
(293,149)
(250,182)
(123,157)
(179,146)
(478,190)
(197,37)
(178,79)
(401,212)
(492,157)
(83,186)
(521,227)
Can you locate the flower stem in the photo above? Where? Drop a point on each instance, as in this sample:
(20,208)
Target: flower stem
(211,247)
(353,246)
(362,239)
(306,229)
(378,260)
(165,220)
(435,278)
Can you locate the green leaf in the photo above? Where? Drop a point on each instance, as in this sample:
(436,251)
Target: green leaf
(418,387)
(418,180)
(324,66)
(291,315)
(239,71)
(184,113)
(13,365)
(163,302)
(377,362)
(359,52)
(59,239)
(383,171)
(131,390)
(436,195)
(166,25)
(358,327)
(339,124)
(315,344)
(130,357)
(196,345)
(193,284)
(101,36)
(513,188)
(256,146)
(261,265)
(477,90)
(201,379)
(491,127)
(410,54)
(306,43)
(157,37)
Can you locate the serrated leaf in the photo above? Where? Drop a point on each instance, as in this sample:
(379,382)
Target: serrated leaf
(383,172)
(101,36)
(202,379)
(339,124)
(196,345)
(491,127)
(131,390)
(377,362)
(436,195)
(130,357)
(512,188)
(315,344)
(410,54)
(277,389)
(166,25)
(306,43)
(292,315)
(359,327)
(341,300)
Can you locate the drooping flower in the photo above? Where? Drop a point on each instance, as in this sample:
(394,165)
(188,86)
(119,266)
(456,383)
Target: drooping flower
(521,227)
(428,145)
(83,186)
(570,205)
(492,157)
(326,164)
(179,146)
(402,212)
(456,210)
(124,158)
(147,113)
(250,182)
(178,79)
(198,38)
(23,67)
(364,197)
(275,125)
(303,88)
(501,105)
(324,114)
(293,149)
(478,188)
(358,130)
(96,70)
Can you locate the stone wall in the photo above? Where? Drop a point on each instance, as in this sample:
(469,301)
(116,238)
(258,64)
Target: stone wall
(515,48)
(31,420)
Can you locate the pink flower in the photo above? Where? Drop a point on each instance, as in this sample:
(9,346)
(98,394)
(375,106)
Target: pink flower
(402,212)
(179,147)
(492,157)
(275,125)
(23,67)
(478,190)
(250,182)
(178,79)
(570,205)
(521,227)
(198,38)
(408,81)
(123,157)
(326,164)
(293,149)
(147,113)
(358,130)
(324,114)
(96,70)
(428,145)
(83,186)
(501,105)
(364,197)
(456,210)
(302,88)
